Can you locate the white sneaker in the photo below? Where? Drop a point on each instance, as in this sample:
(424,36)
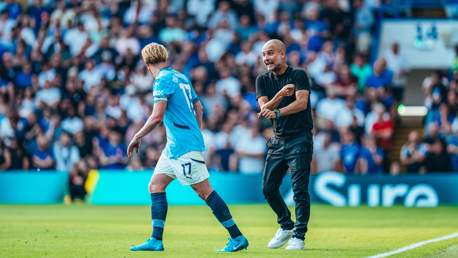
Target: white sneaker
(295,244)
(280,238)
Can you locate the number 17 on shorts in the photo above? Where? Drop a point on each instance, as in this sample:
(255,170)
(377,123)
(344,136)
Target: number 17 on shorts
(189,168)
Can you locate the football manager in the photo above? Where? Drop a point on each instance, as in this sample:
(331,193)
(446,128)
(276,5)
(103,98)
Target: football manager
(283,94)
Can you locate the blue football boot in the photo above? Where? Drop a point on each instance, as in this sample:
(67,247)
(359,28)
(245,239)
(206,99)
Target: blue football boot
(151,244)
(236,244)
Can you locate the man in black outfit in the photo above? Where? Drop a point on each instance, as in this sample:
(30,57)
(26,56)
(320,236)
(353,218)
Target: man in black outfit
(283,94)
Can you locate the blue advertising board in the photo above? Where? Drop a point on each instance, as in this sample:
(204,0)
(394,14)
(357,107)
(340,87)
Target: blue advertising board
(124,188)
(131,188)
(30,187)
(427,190)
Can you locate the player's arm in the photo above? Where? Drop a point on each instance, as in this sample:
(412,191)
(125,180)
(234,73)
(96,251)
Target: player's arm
(153,121)
(264,102)
(199,112)
(298,105)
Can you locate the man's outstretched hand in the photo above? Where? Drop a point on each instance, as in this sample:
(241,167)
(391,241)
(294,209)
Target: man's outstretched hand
(135,143)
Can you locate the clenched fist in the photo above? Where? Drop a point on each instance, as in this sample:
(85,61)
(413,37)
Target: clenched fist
(287,90)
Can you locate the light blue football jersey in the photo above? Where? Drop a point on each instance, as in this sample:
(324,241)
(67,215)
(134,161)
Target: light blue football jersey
(183,132)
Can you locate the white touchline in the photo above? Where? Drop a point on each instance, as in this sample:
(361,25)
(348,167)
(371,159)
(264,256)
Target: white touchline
(412,246)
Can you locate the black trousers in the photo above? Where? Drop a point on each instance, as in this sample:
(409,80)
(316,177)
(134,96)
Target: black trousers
(294,152)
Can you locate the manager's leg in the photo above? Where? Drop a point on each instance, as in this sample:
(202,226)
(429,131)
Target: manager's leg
(300,176)
(274,172)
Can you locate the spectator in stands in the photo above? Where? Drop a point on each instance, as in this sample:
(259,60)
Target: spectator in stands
(382,130)
(432,133)
(90,76)
(346,83)
(327,157)
(78,176)
(413,153)
(6,26)
(245,29)
(114,151)
(72,123)
(251,150)
(223,12)
(347,115)
(434,90)
(330,106)
(42,156)
(452,149)
(134,164)
(106,69)
(65,153)
(23,79)
(224,149)
(438,160)
(5,157)
(49,96)
(75,38)
(371,157)
(267,8)
(350,152)
(227,85)
(83,143)
(380,77)
(364,20)
(152,157)
(399,65)
(246,56)
(362,70)
(19,156)
(172,32)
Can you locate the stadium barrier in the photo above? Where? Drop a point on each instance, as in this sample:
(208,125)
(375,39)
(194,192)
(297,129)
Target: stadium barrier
(130,188)
(120,188)
(428,190)
(31,187)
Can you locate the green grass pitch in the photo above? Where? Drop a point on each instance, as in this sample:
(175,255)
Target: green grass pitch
(192,231)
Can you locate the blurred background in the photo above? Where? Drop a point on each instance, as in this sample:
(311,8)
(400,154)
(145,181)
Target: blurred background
(74,88)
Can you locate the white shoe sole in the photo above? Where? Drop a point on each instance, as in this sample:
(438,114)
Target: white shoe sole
(300,249)
(281,243)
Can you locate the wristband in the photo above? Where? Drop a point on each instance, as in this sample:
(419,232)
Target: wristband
(277,112)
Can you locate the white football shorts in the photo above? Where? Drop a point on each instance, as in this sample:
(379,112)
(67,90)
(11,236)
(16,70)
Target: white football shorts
(189,168)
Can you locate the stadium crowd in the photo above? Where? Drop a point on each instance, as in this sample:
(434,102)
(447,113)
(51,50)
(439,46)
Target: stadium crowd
(74,89)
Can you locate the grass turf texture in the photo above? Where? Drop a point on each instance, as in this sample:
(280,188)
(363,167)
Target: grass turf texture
(193,231)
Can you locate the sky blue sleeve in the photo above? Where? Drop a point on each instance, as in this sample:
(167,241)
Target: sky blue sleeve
(163,89)
(195,98)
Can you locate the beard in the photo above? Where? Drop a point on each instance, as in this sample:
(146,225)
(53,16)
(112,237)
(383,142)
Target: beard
(275,68)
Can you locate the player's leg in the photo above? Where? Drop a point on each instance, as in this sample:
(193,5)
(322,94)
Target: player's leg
(299,163)
(162,177)
(274,172)
(159,204)
(190,169)
(222,213)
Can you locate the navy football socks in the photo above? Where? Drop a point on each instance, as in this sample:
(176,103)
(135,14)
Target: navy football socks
(158,213)
(221,212)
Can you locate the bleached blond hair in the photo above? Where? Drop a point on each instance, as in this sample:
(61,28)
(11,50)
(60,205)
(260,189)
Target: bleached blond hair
(154,53)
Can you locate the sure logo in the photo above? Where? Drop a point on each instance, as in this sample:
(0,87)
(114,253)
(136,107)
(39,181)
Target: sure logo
(329,186)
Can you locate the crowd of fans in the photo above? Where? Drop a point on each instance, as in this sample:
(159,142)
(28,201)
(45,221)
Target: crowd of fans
(74,89)
(437,150)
